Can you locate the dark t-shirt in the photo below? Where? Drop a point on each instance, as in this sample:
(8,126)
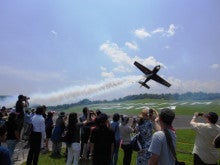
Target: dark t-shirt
(102,138)
(19,108)
(11,128)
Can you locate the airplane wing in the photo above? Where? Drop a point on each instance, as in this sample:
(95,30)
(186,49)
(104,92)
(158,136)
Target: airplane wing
(160,80)
(142,68)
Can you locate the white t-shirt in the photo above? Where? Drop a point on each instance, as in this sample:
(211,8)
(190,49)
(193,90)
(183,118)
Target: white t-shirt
(159,147)
(203,147)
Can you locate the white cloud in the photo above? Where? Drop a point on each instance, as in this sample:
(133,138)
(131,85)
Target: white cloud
(107,74)
(122,69)
(215,66)
(131,45)
(167,47)
(158,30)
(54,33)
(142,33)
(171,30)
(115,53)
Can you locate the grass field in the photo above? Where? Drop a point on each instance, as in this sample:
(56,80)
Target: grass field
(134,107)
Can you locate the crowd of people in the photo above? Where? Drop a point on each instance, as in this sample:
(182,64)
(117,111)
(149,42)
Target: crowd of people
(96,136)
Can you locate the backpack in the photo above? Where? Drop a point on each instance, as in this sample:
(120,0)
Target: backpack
(217,141)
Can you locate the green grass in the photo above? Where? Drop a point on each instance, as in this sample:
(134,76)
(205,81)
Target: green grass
(134,107)
(185,141)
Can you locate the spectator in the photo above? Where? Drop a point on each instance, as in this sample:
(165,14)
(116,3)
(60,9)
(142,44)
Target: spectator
(4,152)
(32,112)
(145,130)
(125,133)
(27,122)
(204,151)
(2,120)
(19,108)
(115,127)
(73,139)
(37,134)
(57,134)
(102,142)
(4,111)
(49,125)
(12,133)
(83,130)
(161,153)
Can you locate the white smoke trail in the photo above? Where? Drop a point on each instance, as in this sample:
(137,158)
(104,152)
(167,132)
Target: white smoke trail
(76,93)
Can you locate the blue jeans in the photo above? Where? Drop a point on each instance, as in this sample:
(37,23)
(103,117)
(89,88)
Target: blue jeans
(115,153)
(11,146)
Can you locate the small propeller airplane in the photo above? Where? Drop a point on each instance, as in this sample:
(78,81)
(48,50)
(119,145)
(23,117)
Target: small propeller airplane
(151,75)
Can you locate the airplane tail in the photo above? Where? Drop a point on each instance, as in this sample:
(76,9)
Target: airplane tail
(144,84)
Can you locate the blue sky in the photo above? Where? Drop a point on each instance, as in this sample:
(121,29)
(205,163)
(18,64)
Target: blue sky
(63,51)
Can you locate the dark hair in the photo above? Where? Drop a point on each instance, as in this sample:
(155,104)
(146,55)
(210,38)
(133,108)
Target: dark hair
(20,97)
(116,117)
(101,119)
(39,110)
(212,117)
(50,114)
(98,112)
(85,109)
(124,119)
(167,116)
(72,119)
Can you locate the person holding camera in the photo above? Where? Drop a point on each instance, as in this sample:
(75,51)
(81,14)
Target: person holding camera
(145,129)
(204,151)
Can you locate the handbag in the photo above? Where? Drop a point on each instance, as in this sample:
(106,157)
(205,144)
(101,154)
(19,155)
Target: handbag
(171,147)
(136,143)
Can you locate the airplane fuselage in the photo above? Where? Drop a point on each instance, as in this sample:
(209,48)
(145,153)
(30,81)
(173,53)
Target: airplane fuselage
(150,75)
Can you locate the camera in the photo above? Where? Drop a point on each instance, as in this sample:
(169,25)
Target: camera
(200,114)
(135,119)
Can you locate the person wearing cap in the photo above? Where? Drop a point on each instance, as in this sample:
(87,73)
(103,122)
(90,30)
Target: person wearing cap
(204,151)
(159,149)
(125,133)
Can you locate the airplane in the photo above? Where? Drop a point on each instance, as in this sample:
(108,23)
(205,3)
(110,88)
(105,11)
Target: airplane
(151,75)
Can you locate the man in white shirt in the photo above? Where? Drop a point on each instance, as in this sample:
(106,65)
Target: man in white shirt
(36,135)
(204,151)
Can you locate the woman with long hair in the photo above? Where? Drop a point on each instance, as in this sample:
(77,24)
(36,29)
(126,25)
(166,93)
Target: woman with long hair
(73,139)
